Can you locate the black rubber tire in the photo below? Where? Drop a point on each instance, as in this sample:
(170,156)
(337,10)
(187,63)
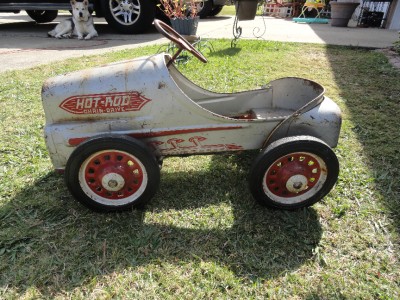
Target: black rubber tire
(282,176)
(42,16)
(122,161)
(206,8)
(216,10)
(140,22)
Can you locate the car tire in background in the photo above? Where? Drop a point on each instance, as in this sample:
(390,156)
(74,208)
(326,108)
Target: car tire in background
(42,16)
(129,16)
(216,10)
(204,8)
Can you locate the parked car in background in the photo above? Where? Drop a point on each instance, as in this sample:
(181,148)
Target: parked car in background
(125,16)
(210,8)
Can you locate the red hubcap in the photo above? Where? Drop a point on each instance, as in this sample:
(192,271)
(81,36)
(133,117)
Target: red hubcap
(113,174)
(293,175)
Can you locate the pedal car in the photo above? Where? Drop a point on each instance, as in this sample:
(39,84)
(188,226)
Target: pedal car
(108,128)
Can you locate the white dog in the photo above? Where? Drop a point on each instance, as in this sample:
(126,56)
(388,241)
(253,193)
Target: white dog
(80,25)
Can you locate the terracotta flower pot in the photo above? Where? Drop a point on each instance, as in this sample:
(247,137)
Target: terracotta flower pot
(341,12)
(246,9)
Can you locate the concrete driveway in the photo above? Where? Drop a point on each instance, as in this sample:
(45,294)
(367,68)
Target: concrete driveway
(23,43)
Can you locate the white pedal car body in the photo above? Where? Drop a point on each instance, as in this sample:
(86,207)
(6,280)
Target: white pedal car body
(109,127)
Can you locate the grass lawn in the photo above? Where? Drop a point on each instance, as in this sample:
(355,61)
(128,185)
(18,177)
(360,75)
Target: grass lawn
(227,10)
(203,236)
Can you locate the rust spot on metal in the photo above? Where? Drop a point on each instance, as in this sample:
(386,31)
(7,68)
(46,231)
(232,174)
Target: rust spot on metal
(316,86)
(248,115)
(161,85)
(60,171)
(45,87)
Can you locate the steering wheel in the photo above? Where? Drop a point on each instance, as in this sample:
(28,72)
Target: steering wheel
(179,40)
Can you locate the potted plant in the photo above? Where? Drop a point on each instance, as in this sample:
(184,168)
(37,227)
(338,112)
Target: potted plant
(246,9)
(182,14)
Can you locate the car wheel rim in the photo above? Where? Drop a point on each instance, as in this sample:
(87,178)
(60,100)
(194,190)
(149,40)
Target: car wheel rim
(294,178)
(125,12)
(199,6)
(113,177)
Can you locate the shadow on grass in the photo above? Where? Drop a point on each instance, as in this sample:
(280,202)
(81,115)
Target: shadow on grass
(225,52)
(56,244)
(371,93)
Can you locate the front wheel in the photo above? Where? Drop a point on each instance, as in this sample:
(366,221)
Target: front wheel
(129,16)
(42,16)
(293,172)
(112,173)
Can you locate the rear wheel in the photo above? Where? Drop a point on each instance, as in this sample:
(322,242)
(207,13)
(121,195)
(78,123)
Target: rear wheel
(129,16)
(42,16)
(293,172)
(112,173)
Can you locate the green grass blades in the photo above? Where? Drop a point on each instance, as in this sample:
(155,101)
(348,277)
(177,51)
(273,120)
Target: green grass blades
(203,236)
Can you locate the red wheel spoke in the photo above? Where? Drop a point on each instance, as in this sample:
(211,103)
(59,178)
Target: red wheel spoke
(292,175)
(113,175)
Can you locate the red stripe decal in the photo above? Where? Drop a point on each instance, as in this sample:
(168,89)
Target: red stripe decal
(77,141)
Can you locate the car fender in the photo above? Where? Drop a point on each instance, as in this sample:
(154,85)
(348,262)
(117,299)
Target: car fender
(322,121)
